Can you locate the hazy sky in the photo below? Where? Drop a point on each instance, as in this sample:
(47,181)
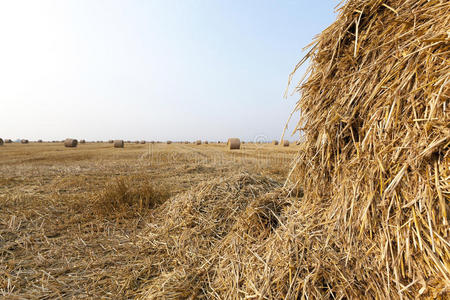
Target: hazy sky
(156,69)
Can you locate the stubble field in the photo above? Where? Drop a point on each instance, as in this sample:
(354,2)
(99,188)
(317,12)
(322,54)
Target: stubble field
(78,222)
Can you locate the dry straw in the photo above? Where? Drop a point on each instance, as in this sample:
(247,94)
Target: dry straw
(374,166)
(118,143)
(234,143)
(71,143)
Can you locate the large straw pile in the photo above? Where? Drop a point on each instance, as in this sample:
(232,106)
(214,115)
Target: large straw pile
(375,160)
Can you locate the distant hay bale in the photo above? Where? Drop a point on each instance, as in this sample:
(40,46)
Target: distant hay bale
(234,143)
(110,141)
(142,142)
(1,142)
(118,143)
(285,143)
(169,142)
(205,142)
(82,141)
(70,143)
(198,142)
(275,142)
(152,142)
(136,142)
(24,141)
(8,141)
(39,141)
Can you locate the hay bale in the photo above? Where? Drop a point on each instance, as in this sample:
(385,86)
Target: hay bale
(275,142)
(70,143)
(1,142)
(285,143)
(24,141)
(198,142)
(205,142)
(118,144)
(39,141)
(8,141)
(169,142)
(82,141)
(234,143)
(142,142)
(375,157)
(110,141)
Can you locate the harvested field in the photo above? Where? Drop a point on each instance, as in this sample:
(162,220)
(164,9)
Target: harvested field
(78,223)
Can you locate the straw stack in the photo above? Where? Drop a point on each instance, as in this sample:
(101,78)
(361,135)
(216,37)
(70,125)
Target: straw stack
(375,161)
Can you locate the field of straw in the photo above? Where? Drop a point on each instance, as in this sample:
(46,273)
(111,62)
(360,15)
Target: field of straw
(102,222)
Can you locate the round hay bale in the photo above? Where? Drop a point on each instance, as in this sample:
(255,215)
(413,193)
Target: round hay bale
(82,141)
(285,143)
(8,141)
(169,142)
(205,142)
(234,143)
(198,142)
(136,142)
(110,141)
(118,143)
(142,142)
(24,141)
(152,142)
(1,142)
(275,142)
(70,143)
(39,141)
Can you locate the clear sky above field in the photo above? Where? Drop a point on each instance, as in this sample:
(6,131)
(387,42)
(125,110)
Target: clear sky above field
(167,69)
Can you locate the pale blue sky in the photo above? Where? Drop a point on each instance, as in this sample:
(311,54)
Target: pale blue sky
(155,70)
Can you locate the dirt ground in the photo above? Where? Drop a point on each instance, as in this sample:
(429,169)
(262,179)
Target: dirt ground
(70,218)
